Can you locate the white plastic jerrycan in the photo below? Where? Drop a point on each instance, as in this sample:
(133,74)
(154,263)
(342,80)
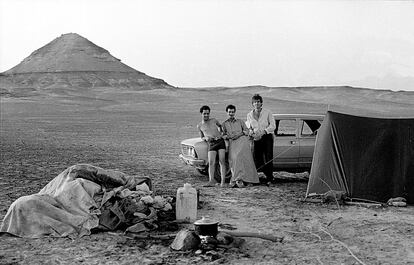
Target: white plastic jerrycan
(186,204)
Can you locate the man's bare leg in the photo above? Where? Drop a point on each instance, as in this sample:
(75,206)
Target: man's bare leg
(211,166)
(222,160)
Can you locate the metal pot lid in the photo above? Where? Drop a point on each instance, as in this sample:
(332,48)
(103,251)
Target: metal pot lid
(205,221)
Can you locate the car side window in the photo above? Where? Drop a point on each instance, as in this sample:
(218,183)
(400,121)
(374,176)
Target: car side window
(306,130)
(310,127)
(285,128)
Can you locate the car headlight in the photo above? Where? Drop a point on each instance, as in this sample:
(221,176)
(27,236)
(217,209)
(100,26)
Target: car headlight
(192,152)
(188,150)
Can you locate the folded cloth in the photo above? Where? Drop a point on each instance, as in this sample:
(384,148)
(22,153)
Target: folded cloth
(69,205)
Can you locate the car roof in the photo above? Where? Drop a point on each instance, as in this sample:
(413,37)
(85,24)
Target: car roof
(299,115)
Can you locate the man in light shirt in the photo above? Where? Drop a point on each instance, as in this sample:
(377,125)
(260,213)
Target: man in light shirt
(261,126)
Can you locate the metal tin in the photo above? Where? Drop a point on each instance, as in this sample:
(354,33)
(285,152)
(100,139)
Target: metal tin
(206,227)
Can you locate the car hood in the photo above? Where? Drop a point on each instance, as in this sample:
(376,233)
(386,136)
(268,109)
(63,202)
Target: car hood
(192,141)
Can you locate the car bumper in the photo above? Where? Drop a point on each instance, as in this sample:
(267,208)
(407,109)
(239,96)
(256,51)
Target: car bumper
(197,163)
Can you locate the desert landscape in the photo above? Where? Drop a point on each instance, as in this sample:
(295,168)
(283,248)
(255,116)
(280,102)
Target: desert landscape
(114,117)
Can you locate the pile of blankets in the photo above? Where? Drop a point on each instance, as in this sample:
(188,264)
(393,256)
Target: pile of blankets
(85,197)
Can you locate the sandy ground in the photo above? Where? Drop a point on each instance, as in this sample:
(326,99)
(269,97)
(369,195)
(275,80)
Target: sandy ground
(140,133)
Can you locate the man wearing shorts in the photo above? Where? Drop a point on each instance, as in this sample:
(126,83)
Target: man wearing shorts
(211,132)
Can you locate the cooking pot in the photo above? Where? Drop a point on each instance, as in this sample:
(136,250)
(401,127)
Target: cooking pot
(206,227)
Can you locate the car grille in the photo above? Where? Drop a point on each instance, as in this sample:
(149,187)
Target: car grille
(188,150)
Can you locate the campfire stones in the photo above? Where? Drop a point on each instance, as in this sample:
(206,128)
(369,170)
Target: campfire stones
(224,239)
(185,240)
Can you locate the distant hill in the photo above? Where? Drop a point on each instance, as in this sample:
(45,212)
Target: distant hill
(72,61)
(353,100)
(340,95)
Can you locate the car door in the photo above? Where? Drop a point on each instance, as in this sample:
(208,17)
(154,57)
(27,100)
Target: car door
(307,137)
(286,145)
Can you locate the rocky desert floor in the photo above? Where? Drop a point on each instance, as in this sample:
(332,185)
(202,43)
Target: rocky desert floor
(139,133)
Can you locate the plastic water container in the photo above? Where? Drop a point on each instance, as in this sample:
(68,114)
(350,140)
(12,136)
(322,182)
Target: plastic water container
(186,204)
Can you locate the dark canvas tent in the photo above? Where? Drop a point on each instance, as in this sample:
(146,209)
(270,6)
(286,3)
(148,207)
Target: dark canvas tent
(368,158)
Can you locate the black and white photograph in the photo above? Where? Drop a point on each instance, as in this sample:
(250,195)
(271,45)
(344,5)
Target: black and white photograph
(206,132)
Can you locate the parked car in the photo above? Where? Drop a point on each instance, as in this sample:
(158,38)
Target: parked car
(294,142)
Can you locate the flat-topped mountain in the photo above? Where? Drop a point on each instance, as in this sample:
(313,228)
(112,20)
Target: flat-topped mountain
(72,61)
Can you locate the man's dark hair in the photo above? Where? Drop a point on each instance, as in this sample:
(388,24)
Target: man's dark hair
(230,107)
(205,107)
(257,97)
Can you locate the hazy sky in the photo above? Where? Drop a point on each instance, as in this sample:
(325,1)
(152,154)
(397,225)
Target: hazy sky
(198,43)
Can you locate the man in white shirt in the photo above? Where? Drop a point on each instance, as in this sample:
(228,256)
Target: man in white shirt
(261,126)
